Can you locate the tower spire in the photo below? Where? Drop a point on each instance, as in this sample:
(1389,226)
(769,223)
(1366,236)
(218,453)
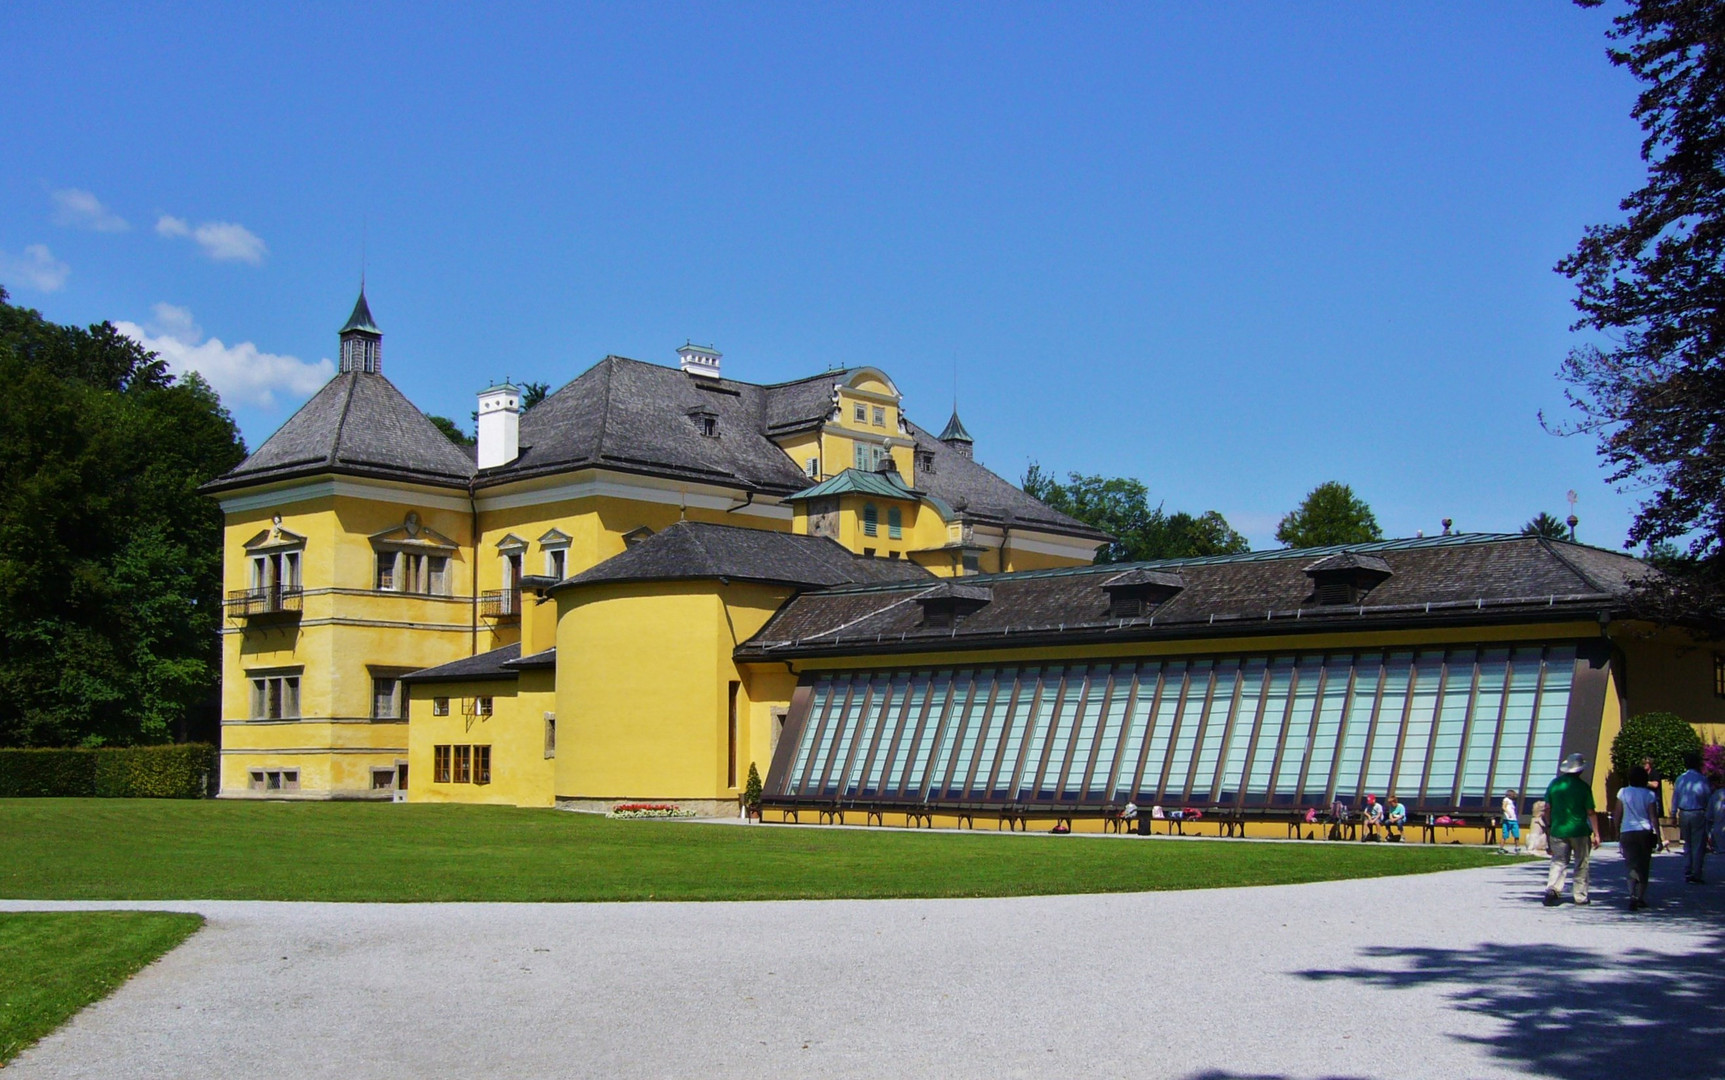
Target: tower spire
(361,340)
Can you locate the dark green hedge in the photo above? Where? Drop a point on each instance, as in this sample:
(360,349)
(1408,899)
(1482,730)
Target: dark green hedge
(134,772)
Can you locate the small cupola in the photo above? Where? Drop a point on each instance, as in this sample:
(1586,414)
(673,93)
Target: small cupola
(361,340)
(956,437)
(1345,577)
(947,604)
(1136,593)
(702,360)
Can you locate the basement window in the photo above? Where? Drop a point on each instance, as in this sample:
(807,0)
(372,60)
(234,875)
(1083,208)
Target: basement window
(274,780)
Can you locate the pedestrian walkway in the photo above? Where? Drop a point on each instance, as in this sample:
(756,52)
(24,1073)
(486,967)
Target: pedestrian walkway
(1443,976)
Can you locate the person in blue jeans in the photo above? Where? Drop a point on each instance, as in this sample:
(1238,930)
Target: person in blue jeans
(1689,798)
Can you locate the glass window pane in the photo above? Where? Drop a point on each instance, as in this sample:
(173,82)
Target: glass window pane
(1451,718)
(1482,732)
(891,725)
(1137,728)
(832,765)
(1269,734)
(1517,727)
(993,729)
(879,692)
(909,734)
(974,714)
(1207,718)
(1037,737)
(1356,725)
(1110,738)
(1554,689)
(940,696)
(1297,744)
(1327,730)
(1416,744)
(1066,716)
(1084,738)
(1241,724)
(1381,754)
(1018,723)
(806,738)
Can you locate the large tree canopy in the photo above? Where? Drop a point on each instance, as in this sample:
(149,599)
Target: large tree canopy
(1120,506)
(1653,389)
(1330,514)
(110,559)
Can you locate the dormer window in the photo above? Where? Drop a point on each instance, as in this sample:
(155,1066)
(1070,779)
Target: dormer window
(706,422)
(1136,593)
(925,462)
(948,604)
(1344,579)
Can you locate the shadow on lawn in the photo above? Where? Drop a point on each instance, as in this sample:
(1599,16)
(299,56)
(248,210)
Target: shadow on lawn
(1579,1014)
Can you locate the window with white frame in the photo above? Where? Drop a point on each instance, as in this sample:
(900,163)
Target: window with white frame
(860,413)
(813,467)
(879,416)
(556,560)
(275,695)
(412,572)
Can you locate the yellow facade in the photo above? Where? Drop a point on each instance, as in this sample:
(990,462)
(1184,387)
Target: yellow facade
(365,578)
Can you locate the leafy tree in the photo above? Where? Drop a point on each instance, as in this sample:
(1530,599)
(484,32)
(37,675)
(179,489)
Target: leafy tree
(110,557)
(1654,393)
(1665,737)
(1543,524)
(1120,506)
(532,393)
(1330,514)
(451,430)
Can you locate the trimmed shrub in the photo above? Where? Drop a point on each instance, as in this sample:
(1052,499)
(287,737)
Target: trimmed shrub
(177,771)
(47,774)
(1665,737)
(133,772)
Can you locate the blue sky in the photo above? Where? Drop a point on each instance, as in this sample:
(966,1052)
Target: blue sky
(1233,250)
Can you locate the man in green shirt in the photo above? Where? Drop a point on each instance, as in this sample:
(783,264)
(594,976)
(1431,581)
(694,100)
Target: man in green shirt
(1574,829)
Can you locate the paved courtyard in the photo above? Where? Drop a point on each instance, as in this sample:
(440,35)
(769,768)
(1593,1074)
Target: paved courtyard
(1461,974)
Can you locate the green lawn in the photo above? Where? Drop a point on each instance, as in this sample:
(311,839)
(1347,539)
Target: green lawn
(53,963)
(144,849)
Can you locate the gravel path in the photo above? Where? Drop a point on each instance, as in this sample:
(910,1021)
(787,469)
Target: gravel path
(1460,974)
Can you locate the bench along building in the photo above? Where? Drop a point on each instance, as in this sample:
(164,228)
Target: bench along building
(1442,671)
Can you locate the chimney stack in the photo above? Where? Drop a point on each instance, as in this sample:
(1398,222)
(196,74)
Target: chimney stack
(702,360)
(499,425)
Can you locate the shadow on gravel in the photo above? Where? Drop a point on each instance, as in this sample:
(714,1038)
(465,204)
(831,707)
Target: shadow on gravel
(1577,1014)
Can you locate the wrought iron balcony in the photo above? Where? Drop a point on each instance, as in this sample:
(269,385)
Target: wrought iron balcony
(274,602)
(504,605)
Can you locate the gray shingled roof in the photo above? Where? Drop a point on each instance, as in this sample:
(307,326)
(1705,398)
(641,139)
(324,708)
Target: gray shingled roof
(979,495)
(689,550)
(358,424)
(1457,579)
(636,417)
(504,663)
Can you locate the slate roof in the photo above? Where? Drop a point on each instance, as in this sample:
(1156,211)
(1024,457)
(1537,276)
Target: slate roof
(358,424)
(504,663)
(1463,579)
(632,416)
(981,496)
(690,550)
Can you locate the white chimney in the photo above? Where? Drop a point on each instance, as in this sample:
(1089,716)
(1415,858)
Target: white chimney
(499,425)
(700,360)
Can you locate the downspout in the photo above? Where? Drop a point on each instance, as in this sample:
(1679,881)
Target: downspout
(749,501)
(473,608)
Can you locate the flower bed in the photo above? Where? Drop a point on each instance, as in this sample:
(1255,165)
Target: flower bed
(649,810)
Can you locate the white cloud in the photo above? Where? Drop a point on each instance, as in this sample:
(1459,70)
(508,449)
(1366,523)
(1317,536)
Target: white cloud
(222,241)
(241,373)
(37,269)
(81,209)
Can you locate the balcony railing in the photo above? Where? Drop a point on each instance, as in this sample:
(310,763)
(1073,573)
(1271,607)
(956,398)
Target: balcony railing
(504,605)
(269,603)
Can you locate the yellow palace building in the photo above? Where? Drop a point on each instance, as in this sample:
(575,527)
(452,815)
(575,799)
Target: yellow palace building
(658,576)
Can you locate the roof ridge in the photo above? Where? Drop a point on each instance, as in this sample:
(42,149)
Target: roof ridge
(341,424)
(605,406)
(1545,542)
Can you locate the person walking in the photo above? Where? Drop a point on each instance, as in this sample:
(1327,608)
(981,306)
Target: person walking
(1637,833)
(1511,828)
(1689,798)
(1574,829)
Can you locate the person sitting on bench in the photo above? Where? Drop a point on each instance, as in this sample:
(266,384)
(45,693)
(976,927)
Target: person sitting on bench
(1397,819)
(1372,817)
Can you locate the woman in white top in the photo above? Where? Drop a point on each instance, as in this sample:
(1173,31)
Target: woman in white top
(1637,834)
